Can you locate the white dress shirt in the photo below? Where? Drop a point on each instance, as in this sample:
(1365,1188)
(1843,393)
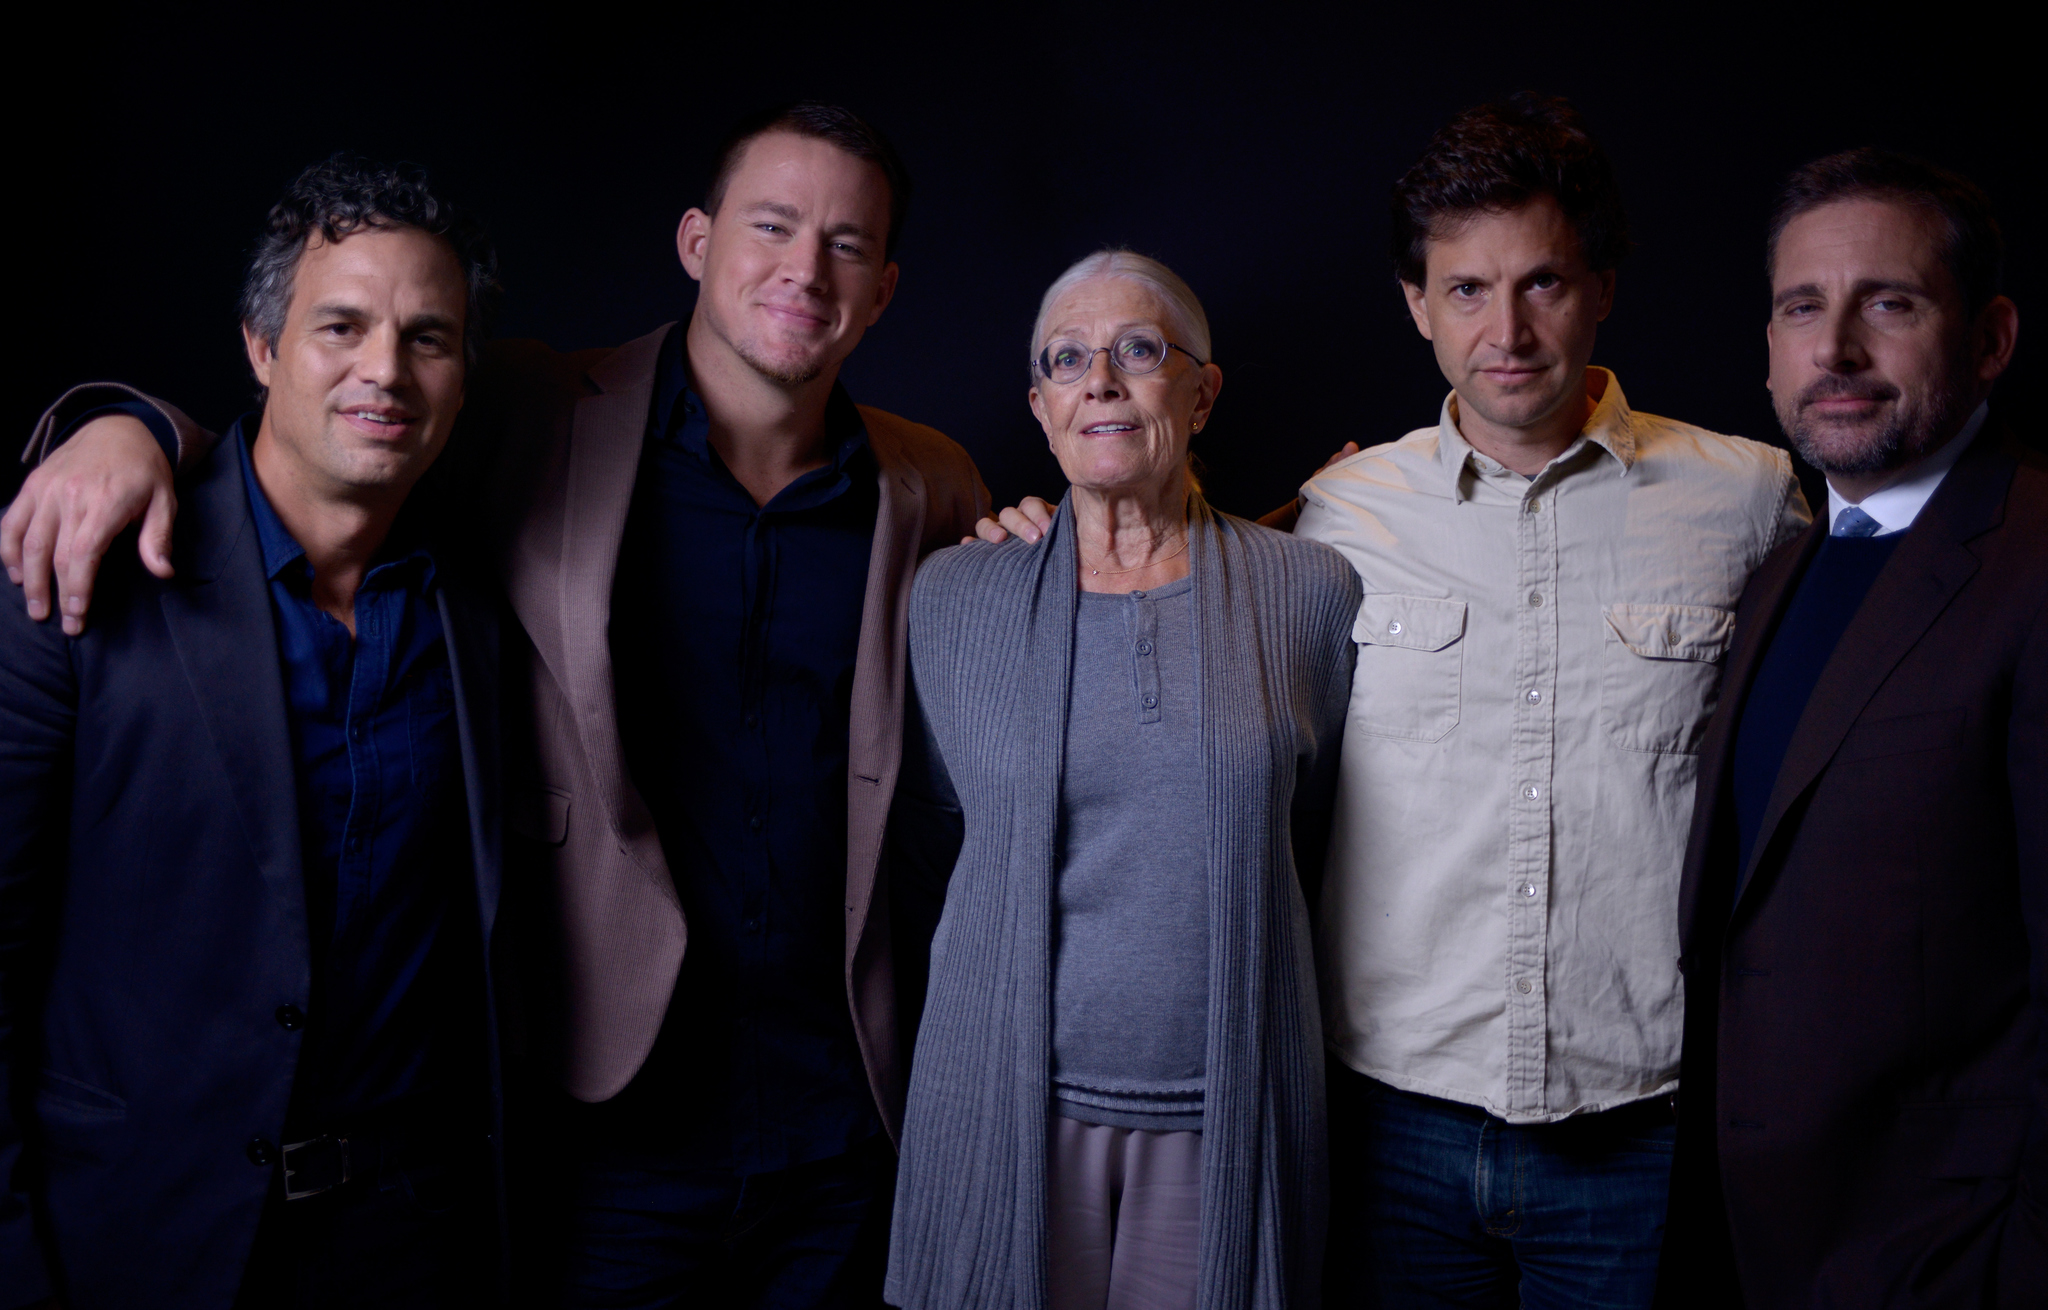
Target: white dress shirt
(1896,506)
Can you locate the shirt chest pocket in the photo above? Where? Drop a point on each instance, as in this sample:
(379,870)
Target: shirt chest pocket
(1660,674)
(1410,663)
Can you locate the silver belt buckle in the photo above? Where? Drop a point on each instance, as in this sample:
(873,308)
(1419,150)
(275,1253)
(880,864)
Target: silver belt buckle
(317,1165)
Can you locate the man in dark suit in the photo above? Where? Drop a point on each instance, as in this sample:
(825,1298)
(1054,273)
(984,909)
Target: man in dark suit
(1864,1120)
(248,827)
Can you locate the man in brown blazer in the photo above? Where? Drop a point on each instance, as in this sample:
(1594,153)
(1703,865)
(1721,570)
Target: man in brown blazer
(1864,1104)
(708,549)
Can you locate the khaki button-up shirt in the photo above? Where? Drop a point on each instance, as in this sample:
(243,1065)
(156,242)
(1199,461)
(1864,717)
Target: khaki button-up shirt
(1537,660)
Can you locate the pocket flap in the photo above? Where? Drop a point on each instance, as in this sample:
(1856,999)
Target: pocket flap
(1672,632)
(542,816)
(1414,622)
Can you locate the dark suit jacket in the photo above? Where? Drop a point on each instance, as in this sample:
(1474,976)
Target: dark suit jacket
(1864,1100)
(152,916)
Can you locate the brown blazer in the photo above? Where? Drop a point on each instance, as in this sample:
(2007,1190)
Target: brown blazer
(1864,1097)
(544,460)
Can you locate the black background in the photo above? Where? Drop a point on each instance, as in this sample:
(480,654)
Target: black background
(1251,149)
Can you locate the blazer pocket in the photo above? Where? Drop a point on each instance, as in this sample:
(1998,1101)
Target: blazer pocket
(1969,1139)
(542,816)
(1660,674)
(66,1099)
(1903,734)
(1411,657)
(78,1121)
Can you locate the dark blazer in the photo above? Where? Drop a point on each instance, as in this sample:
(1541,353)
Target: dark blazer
(1864,1099)
(152,916)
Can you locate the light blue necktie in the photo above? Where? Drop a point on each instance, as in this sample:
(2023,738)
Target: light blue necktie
(1853,522)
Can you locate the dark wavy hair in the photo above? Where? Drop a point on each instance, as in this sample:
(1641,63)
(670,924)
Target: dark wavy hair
(1973,245)
(346,193)
(821,122)
(1497,157)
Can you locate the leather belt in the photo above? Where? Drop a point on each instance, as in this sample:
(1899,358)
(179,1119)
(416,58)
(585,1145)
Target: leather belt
(317,1165)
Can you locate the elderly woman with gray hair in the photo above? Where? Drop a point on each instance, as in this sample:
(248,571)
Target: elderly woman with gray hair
(1117,1096)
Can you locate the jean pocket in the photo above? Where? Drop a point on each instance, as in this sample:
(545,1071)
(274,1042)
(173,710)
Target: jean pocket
(1660,674)
(1411,656)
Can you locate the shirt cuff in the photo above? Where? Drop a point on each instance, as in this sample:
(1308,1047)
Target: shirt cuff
(152,418)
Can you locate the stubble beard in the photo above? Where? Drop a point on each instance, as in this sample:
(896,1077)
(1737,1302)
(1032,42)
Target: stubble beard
(1913,427)
(781,375)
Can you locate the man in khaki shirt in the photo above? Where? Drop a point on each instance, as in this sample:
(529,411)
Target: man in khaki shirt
(1550,583)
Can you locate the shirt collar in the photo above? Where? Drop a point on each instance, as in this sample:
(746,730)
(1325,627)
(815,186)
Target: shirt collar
(281,549)
(679,412)
(1610,427)
(1896,506)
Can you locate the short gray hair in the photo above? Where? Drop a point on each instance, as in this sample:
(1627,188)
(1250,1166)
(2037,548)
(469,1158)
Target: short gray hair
(1189,324)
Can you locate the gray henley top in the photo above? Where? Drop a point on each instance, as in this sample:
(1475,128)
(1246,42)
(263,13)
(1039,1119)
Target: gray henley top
(1131,961)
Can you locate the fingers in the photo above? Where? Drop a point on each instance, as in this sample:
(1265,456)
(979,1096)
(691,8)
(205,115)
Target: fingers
(13,524)
(988,530)
(154,544)
(1349,449)
(1039,513)
(37,538)
(82,541)
(1017,522)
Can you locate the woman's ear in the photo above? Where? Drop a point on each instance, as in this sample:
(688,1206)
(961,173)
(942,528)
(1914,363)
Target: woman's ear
(1208,388)
(1038,412)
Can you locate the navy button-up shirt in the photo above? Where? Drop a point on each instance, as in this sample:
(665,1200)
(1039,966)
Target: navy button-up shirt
(734,631)
(380,819)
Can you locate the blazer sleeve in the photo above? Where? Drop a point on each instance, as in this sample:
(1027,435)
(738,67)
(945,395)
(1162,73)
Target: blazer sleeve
(2023,1259)
(38,711)
(195,442)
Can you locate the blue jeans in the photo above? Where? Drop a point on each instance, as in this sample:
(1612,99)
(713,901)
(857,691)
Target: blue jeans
(1440,1204)
(645,1232)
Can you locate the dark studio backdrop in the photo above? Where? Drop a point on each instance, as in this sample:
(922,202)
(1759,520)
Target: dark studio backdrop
(1251,149)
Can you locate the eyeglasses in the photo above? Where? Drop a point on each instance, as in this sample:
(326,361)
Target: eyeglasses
(1136,352)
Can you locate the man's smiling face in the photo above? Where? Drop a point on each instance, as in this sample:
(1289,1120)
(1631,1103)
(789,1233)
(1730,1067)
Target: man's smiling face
(366,377)
(793,267)
(1871,365)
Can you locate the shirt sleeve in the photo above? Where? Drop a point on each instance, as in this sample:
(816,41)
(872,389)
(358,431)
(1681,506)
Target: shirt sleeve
(150,416)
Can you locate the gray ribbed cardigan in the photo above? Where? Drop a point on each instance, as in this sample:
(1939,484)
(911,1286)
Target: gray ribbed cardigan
(991,651)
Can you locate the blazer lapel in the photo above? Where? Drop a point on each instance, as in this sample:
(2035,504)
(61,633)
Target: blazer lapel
(605,440)
(220,623)
(1930,567)
(472,639)
(875,724)
(1774,584)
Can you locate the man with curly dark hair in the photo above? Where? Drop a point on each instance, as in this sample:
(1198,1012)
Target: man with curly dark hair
(1550,583)
(247,882)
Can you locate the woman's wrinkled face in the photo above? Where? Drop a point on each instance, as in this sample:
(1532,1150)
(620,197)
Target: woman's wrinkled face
(1113,430)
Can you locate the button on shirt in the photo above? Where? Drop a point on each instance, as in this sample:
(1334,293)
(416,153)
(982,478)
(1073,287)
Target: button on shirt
(735,628)
(381,825)
(1537,660)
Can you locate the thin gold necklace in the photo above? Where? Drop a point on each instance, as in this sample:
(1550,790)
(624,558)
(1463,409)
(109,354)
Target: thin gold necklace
(1098,573)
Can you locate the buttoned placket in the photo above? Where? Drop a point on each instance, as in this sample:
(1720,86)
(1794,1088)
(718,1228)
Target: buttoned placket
(377,604)
(1534,752)
(1144,620)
